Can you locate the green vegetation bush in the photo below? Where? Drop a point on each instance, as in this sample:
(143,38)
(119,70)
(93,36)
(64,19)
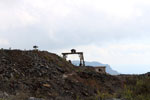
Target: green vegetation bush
(138,91)
(103,95)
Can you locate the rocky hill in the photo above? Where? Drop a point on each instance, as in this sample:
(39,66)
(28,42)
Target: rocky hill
(40,74)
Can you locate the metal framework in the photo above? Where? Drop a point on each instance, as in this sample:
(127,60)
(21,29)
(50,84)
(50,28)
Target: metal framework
(73,51)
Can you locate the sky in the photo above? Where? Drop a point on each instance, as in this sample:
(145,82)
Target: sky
(114,32)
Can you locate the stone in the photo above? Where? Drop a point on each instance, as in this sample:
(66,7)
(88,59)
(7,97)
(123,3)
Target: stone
(33,98)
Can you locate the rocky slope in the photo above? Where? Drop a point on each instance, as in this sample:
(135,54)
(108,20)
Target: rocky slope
(41,74)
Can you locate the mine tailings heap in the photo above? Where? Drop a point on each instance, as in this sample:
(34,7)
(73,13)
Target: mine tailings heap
(37,73)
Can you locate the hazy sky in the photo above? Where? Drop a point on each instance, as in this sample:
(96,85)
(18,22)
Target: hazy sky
(115,32)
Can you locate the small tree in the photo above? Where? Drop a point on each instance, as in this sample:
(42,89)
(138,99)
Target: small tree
(35,47)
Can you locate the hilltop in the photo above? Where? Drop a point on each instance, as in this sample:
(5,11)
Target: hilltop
(43,74)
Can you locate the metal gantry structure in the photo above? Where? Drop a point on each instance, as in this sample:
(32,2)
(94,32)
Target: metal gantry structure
(73,51)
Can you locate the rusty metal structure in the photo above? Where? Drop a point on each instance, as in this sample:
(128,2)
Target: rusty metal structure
(73,51)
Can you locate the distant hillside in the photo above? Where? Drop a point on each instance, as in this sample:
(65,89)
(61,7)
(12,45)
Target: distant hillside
(94,63)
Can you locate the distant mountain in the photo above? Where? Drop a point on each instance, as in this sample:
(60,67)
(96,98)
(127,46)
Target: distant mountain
(94,63)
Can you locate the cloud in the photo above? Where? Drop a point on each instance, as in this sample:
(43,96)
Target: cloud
(66,23)
(4,42)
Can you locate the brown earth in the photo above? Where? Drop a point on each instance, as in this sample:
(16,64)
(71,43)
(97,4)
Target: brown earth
(45,75)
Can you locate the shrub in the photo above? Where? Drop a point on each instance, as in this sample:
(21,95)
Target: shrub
(138,91)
